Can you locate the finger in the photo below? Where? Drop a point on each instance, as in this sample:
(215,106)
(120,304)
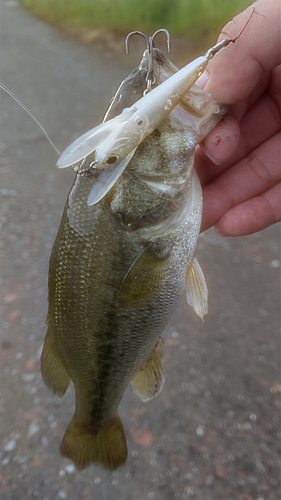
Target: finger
(221,143)
(261,122)
(235,71)
(252,215)
(250,177)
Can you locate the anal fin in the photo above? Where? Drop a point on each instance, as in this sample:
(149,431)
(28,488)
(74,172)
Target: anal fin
(149,380)
(53,372)
(196,289)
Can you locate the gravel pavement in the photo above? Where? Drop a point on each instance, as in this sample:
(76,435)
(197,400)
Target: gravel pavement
(214,431)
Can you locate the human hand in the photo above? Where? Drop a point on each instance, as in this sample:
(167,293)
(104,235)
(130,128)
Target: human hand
(241,176)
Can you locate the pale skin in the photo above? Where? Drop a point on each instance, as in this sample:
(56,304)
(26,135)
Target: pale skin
(241,173)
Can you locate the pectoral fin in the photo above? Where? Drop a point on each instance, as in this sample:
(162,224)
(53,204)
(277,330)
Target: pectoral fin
(196,289)
(149,380)
(53,371)
(144,279)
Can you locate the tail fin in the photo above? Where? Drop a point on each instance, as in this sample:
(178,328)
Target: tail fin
(106,448)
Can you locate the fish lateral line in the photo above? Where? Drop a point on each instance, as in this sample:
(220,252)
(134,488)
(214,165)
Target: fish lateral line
(23,106)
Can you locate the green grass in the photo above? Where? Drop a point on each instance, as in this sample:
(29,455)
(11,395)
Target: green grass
(193,18)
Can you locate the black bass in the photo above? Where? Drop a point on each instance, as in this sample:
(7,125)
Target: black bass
(118,268)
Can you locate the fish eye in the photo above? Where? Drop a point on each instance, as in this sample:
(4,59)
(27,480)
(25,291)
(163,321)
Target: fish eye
(140,122)
(111,159)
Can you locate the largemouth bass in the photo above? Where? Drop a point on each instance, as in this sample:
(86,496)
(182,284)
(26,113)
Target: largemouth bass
(118,268)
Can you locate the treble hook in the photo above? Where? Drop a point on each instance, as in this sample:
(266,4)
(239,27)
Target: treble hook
(150,77)
(161,30)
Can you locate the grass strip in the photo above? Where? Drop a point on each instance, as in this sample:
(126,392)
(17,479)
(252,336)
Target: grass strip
(192,18)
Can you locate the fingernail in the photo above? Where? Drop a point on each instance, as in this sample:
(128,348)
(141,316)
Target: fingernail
(217,231)
(202,80)
(206,152)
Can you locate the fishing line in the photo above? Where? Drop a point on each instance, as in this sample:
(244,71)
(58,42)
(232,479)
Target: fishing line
(10,93)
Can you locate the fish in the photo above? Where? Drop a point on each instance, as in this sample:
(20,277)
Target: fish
(120,262)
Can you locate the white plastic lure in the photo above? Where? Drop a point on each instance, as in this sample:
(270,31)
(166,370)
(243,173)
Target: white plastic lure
(114,141)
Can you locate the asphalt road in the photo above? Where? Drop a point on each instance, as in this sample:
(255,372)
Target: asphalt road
(213,433)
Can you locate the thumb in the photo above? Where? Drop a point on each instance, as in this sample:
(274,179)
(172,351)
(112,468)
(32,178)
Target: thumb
(235,71)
